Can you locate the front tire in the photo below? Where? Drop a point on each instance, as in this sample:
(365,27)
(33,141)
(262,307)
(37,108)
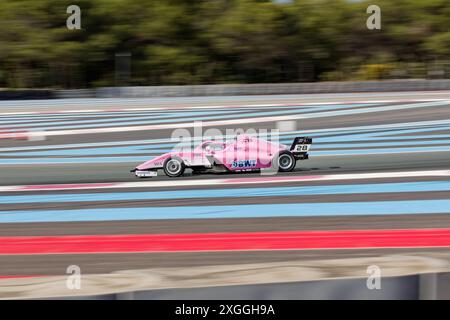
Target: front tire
(285,161)
(174,167)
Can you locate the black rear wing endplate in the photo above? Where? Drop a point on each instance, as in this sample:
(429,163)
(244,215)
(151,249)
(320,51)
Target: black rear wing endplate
(300,140)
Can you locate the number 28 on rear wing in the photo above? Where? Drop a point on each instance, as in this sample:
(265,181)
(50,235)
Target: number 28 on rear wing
(300,147)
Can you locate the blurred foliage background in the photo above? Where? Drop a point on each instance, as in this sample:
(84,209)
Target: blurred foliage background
(220,41)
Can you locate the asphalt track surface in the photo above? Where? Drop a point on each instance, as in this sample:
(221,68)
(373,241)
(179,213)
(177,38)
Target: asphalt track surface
(67,173)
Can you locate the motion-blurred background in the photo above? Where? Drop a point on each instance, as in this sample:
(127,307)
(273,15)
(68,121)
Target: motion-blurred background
(374,194)
(161,42)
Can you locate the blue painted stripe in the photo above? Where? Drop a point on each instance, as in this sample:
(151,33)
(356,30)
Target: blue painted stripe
(376,133)
(381,151)
(143,149)
(57,125)
(135,160)
(96,114)
(238,211)
(138,159)
(110,102)
(167,147)
(324,112)
(426,186)
(151,148)
(380,145)
(330,135)
(81,115)
(157,113)
(438,137)
(119,120)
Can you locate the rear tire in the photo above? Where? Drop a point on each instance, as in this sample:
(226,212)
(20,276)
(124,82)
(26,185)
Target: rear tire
(174,167)
(285,161)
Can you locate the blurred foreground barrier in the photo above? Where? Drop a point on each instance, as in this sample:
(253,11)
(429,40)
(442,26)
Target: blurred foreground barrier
(24,94)
(402,277)
(231,89)
(13,134)
(278,88)
(234,89)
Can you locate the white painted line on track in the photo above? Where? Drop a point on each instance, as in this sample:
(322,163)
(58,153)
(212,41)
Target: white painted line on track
(237,121)
(198,139)
(150,108)
(229,181)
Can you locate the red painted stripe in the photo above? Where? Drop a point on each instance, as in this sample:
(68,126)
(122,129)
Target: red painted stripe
(296,240)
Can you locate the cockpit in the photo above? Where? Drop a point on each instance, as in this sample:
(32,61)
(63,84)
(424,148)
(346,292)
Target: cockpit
(213,146)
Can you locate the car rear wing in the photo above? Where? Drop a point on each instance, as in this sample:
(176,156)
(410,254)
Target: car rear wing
(301,145)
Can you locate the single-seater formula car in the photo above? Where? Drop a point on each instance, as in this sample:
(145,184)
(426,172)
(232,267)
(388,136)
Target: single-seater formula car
(243,154)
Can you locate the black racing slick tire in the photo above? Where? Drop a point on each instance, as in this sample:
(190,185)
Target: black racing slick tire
(174,167)
(285,161)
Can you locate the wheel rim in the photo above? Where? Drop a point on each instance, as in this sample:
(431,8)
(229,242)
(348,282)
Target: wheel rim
(284,161)
(173,166)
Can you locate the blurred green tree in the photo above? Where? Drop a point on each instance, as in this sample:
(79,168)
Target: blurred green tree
(220,41)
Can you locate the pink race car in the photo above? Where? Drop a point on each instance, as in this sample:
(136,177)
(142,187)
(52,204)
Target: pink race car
(243,154)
